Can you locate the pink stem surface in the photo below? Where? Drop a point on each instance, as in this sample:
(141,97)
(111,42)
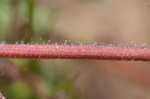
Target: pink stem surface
(75,52)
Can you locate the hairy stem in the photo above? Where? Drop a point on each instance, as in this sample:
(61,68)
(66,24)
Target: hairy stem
(75,52)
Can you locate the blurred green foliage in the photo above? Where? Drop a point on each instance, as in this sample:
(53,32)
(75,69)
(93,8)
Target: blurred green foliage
(5,18)
(19,90)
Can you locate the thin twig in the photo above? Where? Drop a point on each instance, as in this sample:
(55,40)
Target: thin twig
(75,52)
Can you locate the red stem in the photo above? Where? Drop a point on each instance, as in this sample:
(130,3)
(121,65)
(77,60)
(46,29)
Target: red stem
(75,52)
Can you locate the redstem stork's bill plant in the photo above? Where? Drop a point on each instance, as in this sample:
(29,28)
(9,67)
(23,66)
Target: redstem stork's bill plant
(54,51)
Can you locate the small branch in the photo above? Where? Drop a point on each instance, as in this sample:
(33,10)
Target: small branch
(75,52)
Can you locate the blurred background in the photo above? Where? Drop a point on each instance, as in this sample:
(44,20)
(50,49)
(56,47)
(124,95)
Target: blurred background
(123,22)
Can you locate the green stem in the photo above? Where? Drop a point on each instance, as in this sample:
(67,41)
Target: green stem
(31,5)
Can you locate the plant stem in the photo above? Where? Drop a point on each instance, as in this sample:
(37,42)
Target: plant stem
(75,52)
(31,5)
